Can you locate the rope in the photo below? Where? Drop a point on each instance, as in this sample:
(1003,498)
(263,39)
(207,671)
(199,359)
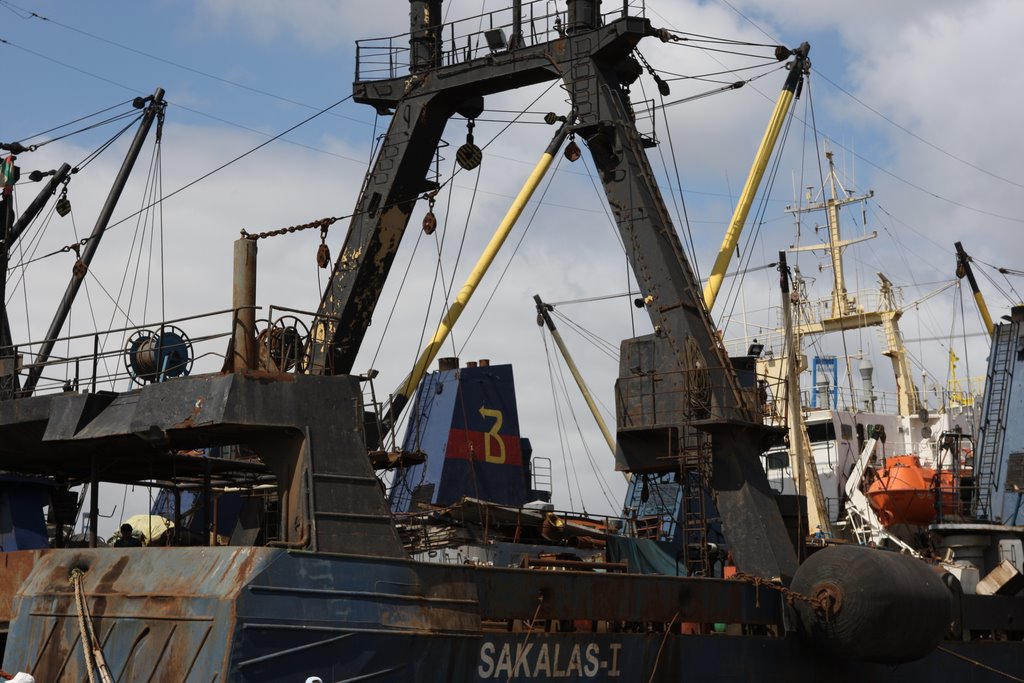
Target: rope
(661,647)
(94,659)
(529,629)
(980,665)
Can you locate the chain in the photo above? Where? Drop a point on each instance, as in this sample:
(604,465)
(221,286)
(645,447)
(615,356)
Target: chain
(821,603)
(322,223)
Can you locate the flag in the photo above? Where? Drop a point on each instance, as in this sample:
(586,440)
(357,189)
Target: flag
(7,177)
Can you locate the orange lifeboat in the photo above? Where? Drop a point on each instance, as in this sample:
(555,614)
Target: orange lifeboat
(904,491)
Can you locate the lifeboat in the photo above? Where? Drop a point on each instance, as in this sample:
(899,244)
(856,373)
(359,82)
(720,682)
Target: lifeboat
(904,492)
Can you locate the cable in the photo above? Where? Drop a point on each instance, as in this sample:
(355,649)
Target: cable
(169,62)
(204,176)
(78,120)
(885,118)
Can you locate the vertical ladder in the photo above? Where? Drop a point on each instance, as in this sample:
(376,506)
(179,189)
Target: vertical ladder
(993,417)
(695,480)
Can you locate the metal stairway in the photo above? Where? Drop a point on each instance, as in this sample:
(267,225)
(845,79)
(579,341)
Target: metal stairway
(993,421)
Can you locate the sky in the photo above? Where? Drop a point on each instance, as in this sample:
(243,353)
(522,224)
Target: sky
(918,100)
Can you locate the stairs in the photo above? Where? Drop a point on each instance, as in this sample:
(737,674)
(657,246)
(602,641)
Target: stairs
(993,417)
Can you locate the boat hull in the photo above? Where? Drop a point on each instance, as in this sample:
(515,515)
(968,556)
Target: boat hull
(264,614)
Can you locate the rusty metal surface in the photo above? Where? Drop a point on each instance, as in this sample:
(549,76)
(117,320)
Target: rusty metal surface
(14,567)
(331,499)
(161,614)
(248,614)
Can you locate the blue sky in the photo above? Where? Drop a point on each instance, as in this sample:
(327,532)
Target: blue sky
(940,150)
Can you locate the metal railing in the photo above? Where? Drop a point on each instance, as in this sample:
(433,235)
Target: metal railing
(466,39)
(100,360)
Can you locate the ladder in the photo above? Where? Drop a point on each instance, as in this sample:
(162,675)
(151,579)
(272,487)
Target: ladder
(993,418)
(695,482)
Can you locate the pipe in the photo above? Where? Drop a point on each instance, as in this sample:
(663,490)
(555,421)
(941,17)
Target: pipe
(764,151)
(405,389)
(156,106)
(243,301)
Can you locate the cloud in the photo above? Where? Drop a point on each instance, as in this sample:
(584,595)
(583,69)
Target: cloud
(316,24)
(905,60)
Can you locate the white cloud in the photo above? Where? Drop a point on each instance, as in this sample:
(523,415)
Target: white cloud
(936,67)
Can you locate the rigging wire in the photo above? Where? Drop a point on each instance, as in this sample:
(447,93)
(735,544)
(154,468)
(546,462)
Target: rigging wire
(703,37)
(736,85)
(93,155)
(683,218)
(183,107)
(590,299)
(177,65)
(1005,272)
(892,122)
(673,77)
(558,422)
(601,344)
(705,48)
(204,176)
(22,140)
(515,250)
(599,476)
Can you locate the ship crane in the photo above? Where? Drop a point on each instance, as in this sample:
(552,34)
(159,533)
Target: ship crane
(594,60)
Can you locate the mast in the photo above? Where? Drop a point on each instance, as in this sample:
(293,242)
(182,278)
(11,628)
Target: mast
(409,384)
(790,92)
(963,267)
(9,235)
(544,318)
(842,305)
(592,53)
(799,443)
(8,359)
(845,311)
(154,110)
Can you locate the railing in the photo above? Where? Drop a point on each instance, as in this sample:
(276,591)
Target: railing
(811,311)
(117,359)
(103,360)
(467,39)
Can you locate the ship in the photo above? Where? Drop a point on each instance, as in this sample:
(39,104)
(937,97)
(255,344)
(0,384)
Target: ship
(297,566)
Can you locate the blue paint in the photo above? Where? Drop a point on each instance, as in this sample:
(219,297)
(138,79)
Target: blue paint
(22,521)
(467,423)
(827,364)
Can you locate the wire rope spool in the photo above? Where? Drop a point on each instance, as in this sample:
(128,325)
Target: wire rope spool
(282,345)
(154,356)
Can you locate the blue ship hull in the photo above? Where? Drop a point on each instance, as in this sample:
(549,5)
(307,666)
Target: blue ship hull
(259,614)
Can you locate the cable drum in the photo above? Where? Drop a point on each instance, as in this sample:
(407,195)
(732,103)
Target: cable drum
(879,606)
(156,356)
(282,345)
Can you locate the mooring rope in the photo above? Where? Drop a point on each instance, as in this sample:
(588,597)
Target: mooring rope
(94,660)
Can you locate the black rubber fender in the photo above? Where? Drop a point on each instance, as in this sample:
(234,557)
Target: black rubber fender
(873,605)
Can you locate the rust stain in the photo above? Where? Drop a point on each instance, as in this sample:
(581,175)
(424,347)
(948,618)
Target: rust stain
(16,566)
(190,421)
(267,375)
(105,584)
